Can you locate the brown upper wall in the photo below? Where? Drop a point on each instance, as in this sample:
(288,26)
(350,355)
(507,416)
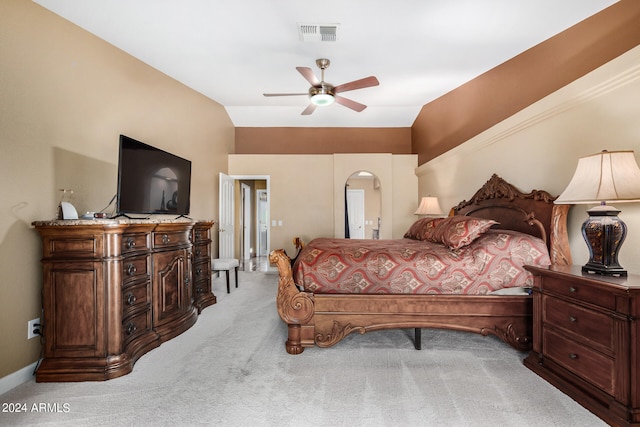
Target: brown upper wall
(508,88)
(279,140)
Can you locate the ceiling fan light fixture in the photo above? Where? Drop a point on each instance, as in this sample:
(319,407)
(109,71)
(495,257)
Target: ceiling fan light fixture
(321,96)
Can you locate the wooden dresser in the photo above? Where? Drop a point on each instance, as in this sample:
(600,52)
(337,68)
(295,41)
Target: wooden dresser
(115,289)
(586,339)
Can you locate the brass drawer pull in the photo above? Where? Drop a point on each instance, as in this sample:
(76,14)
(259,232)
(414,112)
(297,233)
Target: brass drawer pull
(572,289)
(572,319)
(198,271)
(573,356)
(131,243)
(165,239)
(131,328)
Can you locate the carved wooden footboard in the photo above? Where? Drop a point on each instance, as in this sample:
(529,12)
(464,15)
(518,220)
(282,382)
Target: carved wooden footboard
(325,319)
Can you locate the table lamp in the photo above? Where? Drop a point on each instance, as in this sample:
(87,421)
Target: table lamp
(608,176)
(429,206)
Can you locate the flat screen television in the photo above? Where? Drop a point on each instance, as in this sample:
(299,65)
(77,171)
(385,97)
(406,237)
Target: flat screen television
(151,181)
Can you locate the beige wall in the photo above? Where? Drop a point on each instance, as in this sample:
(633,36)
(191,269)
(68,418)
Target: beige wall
(65,96)
(538,148)
(307,191)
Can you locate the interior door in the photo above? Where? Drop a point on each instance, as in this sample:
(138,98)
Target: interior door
(226,224)
(355,202)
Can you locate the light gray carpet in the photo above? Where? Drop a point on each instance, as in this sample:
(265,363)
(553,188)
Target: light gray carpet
(231,369)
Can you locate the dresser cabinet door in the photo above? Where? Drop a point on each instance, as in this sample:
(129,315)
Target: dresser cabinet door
(73,306)
(172,287)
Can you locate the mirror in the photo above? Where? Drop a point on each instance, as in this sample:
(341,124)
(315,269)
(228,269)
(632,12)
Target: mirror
(363,206)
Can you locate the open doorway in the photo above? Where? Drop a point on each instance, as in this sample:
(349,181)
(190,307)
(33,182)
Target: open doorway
(250,212)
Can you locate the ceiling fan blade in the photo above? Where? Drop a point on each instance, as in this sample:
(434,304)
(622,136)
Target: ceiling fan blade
(310,109)
(355,106)
(357,84)
(307,73)
(285,94)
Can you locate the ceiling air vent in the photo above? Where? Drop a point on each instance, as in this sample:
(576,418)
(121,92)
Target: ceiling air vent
(318,32)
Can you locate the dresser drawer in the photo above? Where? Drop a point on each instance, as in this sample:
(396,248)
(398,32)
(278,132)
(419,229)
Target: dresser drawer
(202,252)
(135,268)
(202,287)
(201,235)
(134,242)
(136,325)
(586,325)
(580,359)
(582,291)
(135,297)
(201,270)
(168,239)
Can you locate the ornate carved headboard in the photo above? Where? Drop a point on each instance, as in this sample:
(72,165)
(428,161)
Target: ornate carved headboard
(532,213)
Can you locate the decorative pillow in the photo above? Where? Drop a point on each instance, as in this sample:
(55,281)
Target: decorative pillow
(422,229)
(458,231)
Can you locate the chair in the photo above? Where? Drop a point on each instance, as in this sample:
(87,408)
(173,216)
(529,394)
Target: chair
(226,264)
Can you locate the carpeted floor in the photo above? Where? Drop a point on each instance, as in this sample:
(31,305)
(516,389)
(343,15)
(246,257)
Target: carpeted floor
(231,369)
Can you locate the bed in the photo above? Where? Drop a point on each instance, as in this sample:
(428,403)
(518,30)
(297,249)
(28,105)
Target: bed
(320,313)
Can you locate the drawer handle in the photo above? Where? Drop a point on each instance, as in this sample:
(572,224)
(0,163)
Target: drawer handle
(198,252)
(572,289)
(572,319)
(131,269)
(573,356)
(131,328)
(131,243)
(131,299)
(165,239)
(199,290)
(198,271)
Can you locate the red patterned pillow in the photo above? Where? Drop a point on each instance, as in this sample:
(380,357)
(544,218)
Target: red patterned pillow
(458,231)
(422,229)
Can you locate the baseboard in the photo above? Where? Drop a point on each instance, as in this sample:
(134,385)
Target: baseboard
(18,377)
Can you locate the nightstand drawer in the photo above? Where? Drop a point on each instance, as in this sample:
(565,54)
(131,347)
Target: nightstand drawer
(581,291)
(586,325)
(583,361)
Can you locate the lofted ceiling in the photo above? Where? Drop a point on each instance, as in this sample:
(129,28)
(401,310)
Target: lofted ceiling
(234,51)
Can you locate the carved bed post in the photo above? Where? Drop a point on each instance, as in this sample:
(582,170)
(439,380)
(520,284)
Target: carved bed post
(560,251)
(294,307)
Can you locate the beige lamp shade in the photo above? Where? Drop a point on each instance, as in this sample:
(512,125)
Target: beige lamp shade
(608,176)
(429,206)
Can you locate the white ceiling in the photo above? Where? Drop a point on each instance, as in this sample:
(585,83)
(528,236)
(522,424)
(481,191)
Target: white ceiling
(234,51)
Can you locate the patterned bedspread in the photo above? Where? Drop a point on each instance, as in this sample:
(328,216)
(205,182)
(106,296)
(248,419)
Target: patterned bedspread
(404,266)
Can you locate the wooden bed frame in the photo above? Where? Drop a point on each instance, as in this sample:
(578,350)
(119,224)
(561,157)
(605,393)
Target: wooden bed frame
(325,319)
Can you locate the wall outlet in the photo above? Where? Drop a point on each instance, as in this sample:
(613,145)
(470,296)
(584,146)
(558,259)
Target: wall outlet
(33,328)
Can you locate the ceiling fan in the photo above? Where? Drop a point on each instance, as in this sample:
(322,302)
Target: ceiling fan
(322,93)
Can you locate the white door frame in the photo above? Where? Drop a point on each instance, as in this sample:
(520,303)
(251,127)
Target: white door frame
(260,225)
(245,191)
(226,209)
(265,178)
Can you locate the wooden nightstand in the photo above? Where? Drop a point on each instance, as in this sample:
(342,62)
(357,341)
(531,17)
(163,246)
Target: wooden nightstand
(586,339)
